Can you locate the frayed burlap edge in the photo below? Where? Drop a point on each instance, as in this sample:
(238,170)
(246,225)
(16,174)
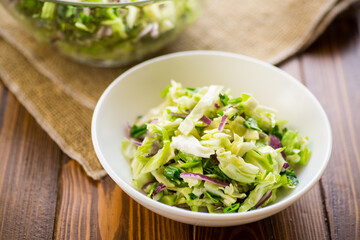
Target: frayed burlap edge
(67,149)
(319,25)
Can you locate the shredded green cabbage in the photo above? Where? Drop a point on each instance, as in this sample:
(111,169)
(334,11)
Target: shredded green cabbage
(212,151)
(106,35)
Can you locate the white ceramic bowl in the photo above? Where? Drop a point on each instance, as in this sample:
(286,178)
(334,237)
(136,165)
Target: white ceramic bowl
(138,89)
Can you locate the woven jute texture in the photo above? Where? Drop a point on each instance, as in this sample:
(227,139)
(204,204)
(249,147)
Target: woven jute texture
(61,94)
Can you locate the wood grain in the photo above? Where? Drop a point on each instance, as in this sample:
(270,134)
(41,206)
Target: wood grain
(101,210)
(28,175)
(303,220)
(76,216)
(332,73)
(45,195)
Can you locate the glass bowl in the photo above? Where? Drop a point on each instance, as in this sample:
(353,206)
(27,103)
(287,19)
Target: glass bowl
(106,34)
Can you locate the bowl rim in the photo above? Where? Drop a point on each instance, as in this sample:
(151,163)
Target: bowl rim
(254,214)
(104,4)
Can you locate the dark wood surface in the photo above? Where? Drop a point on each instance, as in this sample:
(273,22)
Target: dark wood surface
(46,195)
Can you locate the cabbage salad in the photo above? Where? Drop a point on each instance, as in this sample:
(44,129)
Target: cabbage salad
(205,150)
(106,35)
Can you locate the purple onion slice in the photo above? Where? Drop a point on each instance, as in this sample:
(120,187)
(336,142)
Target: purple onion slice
(158,189)
(222,123)
(285,166)
(154,32)
(266,196)
(275,143)
(206,120)
(147,30)
(179,114)
(203,177)
(137,143)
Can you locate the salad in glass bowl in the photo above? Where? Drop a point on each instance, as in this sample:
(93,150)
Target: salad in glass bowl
(205,150)
(104,32)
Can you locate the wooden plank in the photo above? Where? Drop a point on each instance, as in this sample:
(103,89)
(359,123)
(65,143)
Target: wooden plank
(332,73)
(29,173)
(77,213)
(303,220)
(101,210)
(306,218)
(257,230)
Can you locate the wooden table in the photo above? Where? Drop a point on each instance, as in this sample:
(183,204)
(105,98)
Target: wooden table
(44,194)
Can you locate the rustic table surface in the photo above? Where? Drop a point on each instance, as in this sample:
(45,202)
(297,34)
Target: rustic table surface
(45,195)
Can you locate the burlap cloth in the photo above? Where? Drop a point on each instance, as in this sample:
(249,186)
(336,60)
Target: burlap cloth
(61,94)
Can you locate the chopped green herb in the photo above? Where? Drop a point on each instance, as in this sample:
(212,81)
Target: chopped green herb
(189,159)
(199,128)
(191,91)
(290,174)
(214,198)
(235,100)
(232,208)
(214,169)
(224,99)
(152,189)
(190,164)
(165,91)
(269,158)
(276,132)
(233,117)
(220,112)
(172,173)
(241,107)
(192,196)
(136,131)
(206,162)
(252,124)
